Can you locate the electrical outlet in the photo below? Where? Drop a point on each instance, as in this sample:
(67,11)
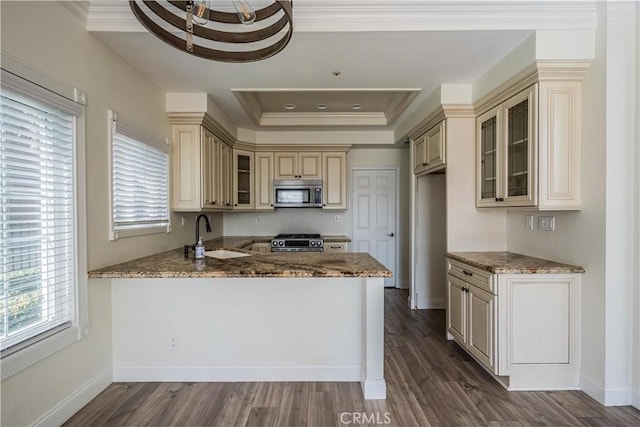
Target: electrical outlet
(528,222)
(337,217)
(546,223)
(173,344)
(258,218)
(182,221)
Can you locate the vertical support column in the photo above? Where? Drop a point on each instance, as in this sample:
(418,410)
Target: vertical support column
(372,374)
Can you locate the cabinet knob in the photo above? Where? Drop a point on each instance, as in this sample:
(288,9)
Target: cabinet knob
(425,164)
(213,203)
(468,273)
(499,199)
(271,205)
(235,204)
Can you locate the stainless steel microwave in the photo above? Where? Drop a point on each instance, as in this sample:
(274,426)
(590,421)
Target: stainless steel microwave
(297,193)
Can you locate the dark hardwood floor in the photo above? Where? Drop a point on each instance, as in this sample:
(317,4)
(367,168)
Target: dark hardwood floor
(430,381)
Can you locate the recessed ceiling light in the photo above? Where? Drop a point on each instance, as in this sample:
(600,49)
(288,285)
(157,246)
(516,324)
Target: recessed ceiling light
(289,106)
(321,106)
(356,107)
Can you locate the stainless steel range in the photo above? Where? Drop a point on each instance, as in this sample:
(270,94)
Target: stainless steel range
(297,243)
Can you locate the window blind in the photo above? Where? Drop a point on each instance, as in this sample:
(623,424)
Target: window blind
(140,181)
(37,294)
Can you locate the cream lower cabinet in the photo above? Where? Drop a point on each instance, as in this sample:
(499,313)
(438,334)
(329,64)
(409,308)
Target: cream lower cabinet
(522,328)
(334,180)
(336,247)
(261,247)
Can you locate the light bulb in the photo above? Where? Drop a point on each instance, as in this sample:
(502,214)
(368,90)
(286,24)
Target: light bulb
(245,12)
(201,12)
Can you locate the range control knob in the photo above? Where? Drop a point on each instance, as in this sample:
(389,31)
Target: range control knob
(313,243)
(281,243)
(274,243)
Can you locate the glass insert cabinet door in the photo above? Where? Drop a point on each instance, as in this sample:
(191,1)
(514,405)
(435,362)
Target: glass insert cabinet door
(519,126)
(488,161)
(517,147)
(505,152)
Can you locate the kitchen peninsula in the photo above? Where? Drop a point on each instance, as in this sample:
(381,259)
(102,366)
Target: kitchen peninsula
(263,317)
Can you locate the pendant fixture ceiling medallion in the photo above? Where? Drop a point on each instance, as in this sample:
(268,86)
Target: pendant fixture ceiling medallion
(193,27)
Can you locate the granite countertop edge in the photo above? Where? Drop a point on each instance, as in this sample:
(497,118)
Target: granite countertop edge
(172,264)
(512,263)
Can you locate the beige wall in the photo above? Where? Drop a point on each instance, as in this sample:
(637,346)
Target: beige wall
(603,236)
(48,38)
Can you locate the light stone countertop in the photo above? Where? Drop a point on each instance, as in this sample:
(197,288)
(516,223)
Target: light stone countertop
(172,264)
(511,263)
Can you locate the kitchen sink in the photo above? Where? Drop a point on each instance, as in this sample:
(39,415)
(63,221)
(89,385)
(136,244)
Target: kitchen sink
(224,254)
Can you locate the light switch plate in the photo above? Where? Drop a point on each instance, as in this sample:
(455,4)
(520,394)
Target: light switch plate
(528,222)
(546,223)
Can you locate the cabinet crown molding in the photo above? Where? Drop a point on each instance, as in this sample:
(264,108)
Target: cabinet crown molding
(444,111)
(205,120)
(539,71)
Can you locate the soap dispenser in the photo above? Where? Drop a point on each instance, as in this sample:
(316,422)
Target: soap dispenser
(199,249)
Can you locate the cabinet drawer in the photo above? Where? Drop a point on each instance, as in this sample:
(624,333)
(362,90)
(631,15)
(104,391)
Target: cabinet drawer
(475,276)
(335,247)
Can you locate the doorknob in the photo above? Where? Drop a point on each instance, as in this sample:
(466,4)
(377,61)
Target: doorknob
(390,234)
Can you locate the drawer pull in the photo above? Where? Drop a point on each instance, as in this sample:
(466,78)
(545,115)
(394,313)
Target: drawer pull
(335,247)
(468,273)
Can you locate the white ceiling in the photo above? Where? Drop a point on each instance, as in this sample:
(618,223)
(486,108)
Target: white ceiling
(397,45)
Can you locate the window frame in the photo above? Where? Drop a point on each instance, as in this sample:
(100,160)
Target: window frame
(116,125)
(31,82)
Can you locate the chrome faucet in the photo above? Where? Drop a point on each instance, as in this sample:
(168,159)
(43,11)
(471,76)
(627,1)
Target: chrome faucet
(206,221)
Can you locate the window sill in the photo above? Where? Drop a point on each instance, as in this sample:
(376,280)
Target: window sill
(20,360)
(142,231)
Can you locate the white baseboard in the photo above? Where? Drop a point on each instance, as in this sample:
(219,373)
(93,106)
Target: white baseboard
(374,389)
(635,398)
(73,403)
(342,373)
(607,396)
(431,303)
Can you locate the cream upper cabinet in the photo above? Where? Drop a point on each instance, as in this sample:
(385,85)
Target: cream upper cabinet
(334,180)
(225,178)
(243,179)
(506,139)
(194,156)
(435,147)
(528,149)
(429,150)
(298,165)
(264,180)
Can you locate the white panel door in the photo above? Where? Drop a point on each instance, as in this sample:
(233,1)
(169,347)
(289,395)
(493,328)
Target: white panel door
(374,217)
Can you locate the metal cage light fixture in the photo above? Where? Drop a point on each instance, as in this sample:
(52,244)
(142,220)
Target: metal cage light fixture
(195,28)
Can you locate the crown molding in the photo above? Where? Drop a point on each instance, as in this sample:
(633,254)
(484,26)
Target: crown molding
(539,71)
(401,15)
(323,119)
(444,111)
(204,120)
(79,9)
